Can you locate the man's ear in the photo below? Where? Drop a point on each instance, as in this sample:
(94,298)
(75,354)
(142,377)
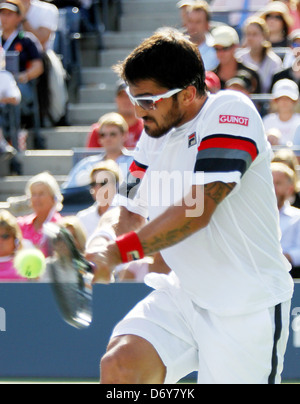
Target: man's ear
(188,95)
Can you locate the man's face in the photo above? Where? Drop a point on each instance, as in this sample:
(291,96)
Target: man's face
(197,25)
(111,138)
(285,104)
(167,114)
(283,187)
(9,19)
(104,188)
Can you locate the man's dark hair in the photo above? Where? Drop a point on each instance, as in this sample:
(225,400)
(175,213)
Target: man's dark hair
(169,59)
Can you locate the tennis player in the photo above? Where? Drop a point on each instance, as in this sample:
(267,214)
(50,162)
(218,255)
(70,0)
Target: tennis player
(224,308)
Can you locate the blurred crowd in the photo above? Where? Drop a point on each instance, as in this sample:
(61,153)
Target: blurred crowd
(255,50)
(39,60)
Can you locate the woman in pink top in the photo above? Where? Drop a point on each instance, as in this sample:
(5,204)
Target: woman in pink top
(10,243)
(46,202)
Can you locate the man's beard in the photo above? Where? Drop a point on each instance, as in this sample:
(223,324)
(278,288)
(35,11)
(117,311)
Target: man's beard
(172,120)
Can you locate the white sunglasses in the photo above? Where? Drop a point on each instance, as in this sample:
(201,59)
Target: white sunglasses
(149,102)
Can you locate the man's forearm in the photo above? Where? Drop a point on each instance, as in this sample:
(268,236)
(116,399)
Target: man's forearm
(168,230)
(175,225)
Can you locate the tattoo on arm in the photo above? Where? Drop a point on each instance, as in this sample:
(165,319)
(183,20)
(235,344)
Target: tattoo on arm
(214,194)
(163,241)
(218,191)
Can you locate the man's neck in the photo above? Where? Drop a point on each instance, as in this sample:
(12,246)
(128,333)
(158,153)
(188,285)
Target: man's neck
(256,55)
(194,110)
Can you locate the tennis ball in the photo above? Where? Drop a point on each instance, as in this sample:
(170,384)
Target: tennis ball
(30,263)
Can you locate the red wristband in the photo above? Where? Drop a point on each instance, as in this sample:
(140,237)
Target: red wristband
(130,247)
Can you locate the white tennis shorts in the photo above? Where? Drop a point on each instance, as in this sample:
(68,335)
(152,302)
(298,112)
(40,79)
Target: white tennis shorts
(246,349)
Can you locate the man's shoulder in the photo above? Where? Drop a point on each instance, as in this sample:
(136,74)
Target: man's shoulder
(225,97)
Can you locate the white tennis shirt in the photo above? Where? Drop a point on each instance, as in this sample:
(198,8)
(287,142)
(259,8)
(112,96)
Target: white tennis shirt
(235,265)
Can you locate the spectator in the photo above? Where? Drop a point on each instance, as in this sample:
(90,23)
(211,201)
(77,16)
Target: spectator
(289,216)
(9,91)
(241,82)
(198,27)
(13,39)
(226,41)
(105,180)
(10,96)
(286,96)
(41,19)
(258,53)
(113,132)
(126,109)
(10,244)
(183,7)
(277,16)
(292,73)
(291,59)
(30,53)
(46,202)
(289,158)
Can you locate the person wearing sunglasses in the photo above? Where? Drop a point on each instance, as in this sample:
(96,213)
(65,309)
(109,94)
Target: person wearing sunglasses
(105,179)
(111,133)
(258,52)
(226,43)
(10,243)
(279,20)
(206,188)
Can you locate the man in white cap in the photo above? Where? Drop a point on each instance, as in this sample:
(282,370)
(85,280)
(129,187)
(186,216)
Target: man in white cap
(286,96)
(226,42)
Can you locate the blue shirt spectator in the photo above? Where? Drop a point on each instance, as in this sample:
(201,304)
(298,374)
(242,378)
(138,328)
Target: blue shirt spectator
(198,26)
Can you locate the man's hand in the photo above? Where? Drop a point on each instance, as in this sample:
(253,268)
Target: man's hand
(105,260)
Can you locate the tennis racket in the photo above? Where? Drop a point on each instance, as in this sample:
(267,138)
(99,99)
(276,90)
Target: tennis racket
(71,275)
